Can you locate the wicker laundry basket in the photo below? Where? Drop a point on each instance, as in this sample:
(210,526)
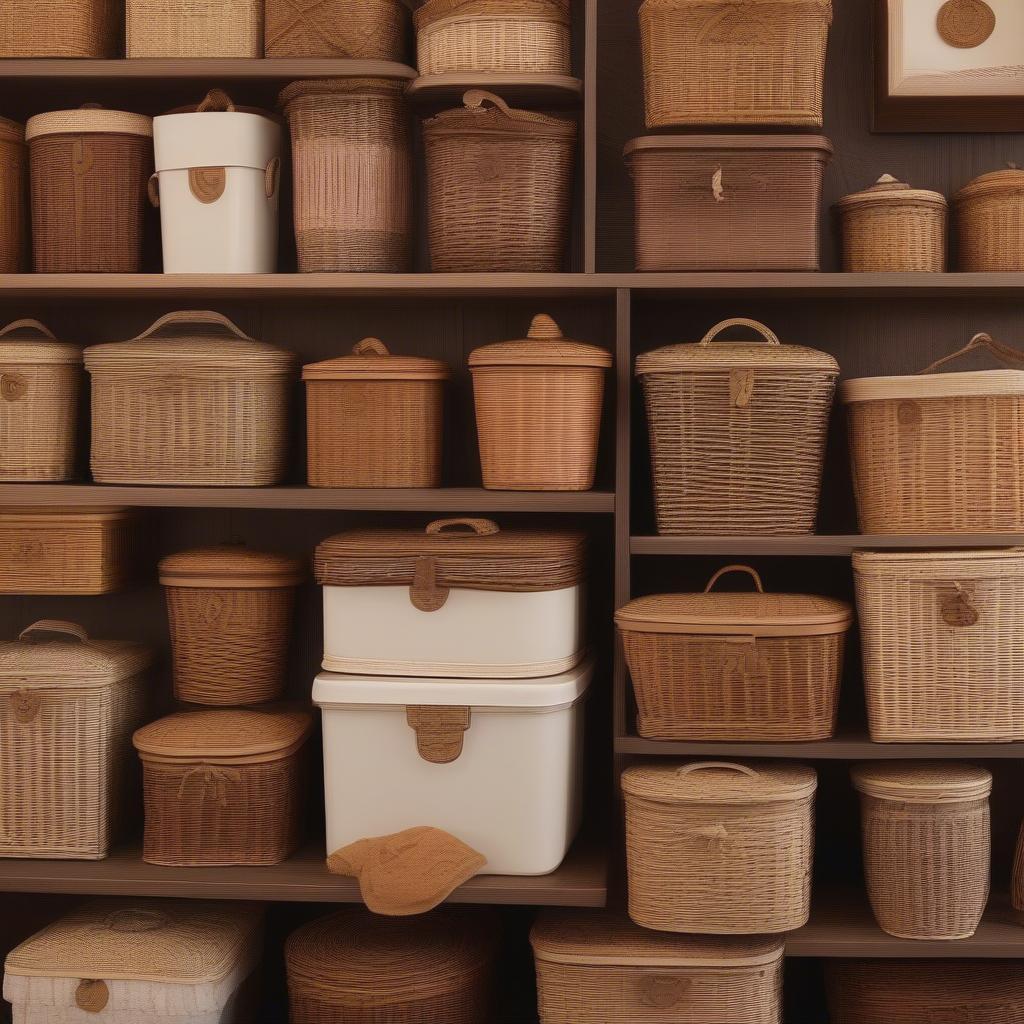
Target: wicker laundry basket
(359,29)
(990,222)
(925,831)
(40,383)
(499,187)
(719,847)
(13,196)
(68,705)
(194,28)
(59,28)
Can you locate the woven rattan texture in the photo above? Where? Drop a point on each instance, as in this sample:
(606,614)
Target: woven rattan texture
(1017,884)
(990,231)
(890,238)
(59,28)
(13,198)
(194,28)
(359,29)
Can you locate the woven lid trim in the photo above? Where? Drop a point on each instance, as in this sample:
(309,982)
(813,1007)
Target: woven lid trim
(11,131)
(922,782)
(391,88)
(720,782)
(993,563)
(29,342)
(65,515)
(433,11)
(89,119)
(971,384)
(995,183)
(52,651)
(887,191)
(730,143)
(231,566)
(370,359)
(544,345)
(484,113)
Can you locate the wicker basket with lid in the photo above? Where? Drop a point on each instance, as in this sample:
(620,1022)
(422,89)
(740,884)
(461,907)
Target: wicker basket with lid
(354,29)
(193,28)
(990,222)
(719,847)
(13,197)
(59,28)
(925,832)
(374,419)
(223,786)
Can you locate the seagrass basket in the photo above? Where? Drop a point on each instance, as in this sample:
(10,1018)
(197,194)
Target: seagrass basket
(925,832)
(40,381)
(59,28)
(990,222)
(353,967)
(229,610)
(223,786)
(191,400)
(538,410)
(597,967)
(359,29)
(499,187)
(737,433)
(13,196)
(68,705)
(194,28)
(352,165)
(719,847)
(719,666)
(374,419)
(721,62)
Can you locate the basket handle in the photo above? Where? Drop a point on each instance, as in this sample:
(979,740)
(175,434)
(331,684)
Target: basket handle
(481,527)
(216,100)
(153,189)
(370,347)
(741,321)
(732,766)
(55,626)
(476,99)
(1004,353)
(271,176)
(27,324)
(194,316)
(751,572)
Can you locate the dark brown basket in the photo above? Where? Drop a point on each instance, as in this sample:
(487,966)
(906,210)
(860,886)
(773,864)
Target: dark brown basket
(13,197)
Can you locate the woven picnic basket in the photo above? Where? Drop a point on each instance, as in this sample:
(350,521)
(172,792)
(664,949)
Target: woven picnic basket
(597,967)
(358,29)
(13,196)
(194,28)
(354,967)
(68,705)
(352,165)
(374,419)
(40,382)
(990,222)
(229,610)
(737,433)
(88,171)
(190,400)
(499,187)
(926,838)
(59,28)
(719,847)
(538,410)
(223,786)
(747,666)
(724,62)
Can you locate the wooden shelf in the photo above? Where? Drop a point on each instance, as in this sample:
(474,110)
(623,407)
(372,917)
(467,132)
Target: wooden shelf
(817,544)
(549,92)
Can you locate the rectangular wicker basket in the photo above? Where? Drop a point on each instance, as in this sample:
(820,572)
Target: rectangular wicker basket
(354,29)
(194,28)
(59,28)
(13,196)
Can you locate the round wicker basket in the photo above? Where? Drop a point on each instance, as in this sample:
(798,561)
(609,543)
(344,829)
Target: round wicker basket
(990,222)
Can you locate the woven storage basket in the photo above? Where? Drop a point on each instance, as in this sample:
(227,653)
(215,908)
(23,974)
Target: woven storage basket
(352,163)
(360,29)
(600,968)
(499,187)
(223,786)
(89,169)
(40,381)
(230,612)
(723,62)
(990,222)
(891,227)
(13,196)
(374,419)
(191,400)
(925,831)
(59,28)
(719,847)
(194,28)
(356,968)
(68,706)
(754,667)
(737,433)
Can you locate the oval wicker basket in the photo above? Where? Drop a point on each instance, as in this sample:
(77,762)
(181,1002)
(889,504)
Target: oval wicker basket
(13,198)
(194,28)
(354,29)
(60,28)
(990,222)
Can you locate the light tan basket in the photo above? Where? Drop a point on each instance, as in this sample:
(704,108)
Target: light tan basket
(925,831)
(719,847)
(13,196)
(68,706)
(990,222)
(59,28)
(194,28)
(356,29)
(40,381)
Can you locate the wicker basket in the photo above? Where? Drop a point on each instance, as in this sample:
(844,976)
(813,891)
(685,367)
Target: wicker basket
(359,29)
(990,222)
(352,161)
(1017,883)
(538,410)
(599,968)
(230,612)
(194,28)
(892,227)
(68,706)
(722,62)
(40,381)
(719,847)
(59,28)
(13,196)
(737,433)
(182,403)
(352,967)
(374,419)
(499,187)
(753,667)
(525,36)
(925,829)
(223,787)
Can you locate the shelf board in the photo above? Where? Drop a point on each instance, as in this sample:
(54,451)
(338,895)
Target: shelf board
(817,544)
(550,92)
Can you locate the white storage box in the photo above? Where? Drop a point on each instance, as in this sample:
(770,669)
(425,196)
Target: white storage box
(462,598)
(217,183)
(494,763)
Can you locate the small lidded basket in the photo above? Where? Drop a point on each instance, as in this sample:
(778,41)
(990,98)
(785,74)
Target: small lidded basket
(990,222)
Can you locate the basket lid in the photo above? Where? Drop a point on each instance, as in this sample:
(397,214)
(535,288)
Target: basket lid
(89,118)
(431,11)
(720,782)
(11,131)
(922,782)
(370,359)
(66,514)
(231,565)
(889,191)
(1006,182)
(544,345)
(756,355)
(355,86)
(729,143)
(909,565)
(484,113)
(30,342)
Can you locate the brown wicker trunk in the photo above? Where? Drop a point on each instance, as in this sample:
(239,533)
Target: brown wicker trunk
(59,28)
(194,28)
(990,222)
(13,197)
(358,29)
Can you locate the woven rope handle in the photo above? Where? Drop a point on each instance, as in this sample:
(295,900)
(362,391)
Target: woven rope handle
(741,321)
(1004,353)
(216,100)
(27,325)
(698,766)
(153,189)
(55,626)
(206,317)
(751,572)
(481,527)
(476,99)
(271,177)
(370,347)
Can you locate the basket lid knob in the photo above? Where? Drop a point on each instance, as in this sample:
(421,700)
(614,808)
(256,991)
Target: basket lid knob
(544,328)
(887,183)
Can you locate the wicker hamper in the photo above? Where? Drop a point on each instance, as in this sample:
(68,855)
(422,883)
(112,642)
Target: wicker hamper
(223,786)
(59,28)
(230,612)
(727,62)
(600,968)
(925,832)
(499,187)
(990,222)
(719,847)
(359,29)
(191,400)
(68,705)
(754,667)
(13,196)
(193,28)
(374,419)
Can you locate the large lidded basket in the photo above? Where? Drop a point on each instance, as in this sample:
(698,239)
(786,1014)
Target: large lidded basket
(59,28)
(737,433)
(194,28)
(719,666)
(354,29)
(990,222)
(68,705)
(13,196)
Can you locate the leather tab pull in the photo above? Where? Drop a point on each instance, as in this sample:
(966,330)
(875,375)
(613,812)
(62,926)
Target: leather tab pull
(662,991)
(440,731)
(426,593)
(13,386)
(741,388)
(25,705)
(207,183)
(92,996)
(957,609)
